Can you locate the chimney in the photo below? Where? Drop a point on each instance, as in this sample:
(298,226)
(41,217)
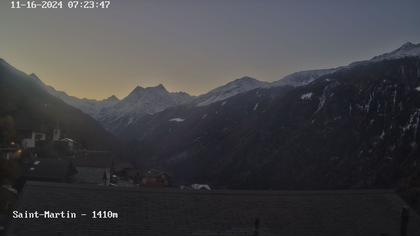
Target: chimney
(405,216)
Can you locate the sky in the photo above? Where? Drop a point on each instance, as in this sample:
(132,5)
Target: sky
(197,45)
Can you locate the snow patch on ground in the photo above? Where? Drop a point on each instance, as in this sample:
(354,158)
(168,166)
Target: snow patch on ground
(130,121)
(177,120)
(367,105)
(406,50)
(382,136)
(413,123)
(394,98)
(256,106)
(230,89)
(306,96)
(325,93)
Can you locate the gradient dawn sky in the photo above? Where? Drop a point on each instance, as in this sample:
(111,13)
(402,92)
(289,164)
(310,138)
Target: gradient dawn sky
(196,45)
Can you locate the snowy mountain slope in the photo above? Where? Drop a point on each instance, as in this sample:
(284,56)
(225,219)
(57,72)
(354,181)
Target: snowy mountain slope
(305,77)
(246,84)
(141,101)
(88,106)
(230,89)
(406,50)
(114,113)
(302,78)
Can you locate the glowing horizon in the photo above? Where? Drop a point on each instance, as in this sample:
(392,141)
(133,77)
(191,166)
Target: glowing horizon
(195,46)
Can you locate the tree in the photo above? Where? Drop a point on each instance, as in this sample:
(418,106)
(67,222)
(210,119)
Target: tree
(7,129)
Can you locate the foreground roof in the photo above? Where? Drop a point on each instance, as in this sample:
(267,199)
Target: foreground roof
(49,169)
(98,160)
(175,212)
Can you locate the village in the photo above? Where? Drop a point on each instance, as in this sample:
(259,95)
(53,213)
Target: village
(52,157)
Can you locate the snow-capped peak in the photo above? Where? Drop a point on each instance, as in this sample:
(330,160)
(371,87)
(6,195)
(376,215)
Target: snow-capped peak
(112,98)
(246,79)
(406,50)
(140,89)
(137,89)
(140,102)
(160,86)
(408,46)
(302,78)
(113,112)
(305,77)
(230,89)
(141,93)
(158,89)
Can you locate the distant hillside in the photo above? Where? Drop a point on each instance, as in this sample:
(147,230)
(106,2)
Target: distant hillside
(228,90)
(357,127)
(116,115)
(32,108)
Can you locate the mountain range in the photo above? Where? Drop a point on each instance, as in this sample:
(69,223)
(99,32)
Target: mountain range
(354,126)
(347,127)
(115,114)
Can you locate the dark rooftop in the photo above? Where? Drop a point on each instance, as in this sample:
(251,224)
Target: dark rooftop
(47,169)
(167,212)
(98,160)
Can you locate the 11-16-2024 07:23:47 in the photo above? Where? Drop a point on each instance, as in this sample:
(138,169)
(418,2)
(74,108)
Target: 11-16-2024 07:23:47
(49,4)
